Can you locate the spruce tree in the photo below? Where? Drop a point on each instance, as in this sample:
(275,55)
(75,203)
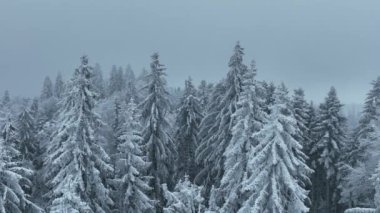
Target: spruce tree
(17,164)
(116,81)
(59,86)
(186,136)
(75,166)
(218,121)
(362,154)
(328,147)
(27,135)
(132,186)
(14,177)
(249,119)
(98,81)
(277,172)
(300,108)
(186,198)
(47,89)
(156,138)
(131,88)
(204,92)
(6,98)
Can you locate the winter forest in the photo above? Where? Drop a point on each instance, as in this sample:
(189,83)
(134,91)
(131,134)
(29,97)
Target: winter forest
(131,143)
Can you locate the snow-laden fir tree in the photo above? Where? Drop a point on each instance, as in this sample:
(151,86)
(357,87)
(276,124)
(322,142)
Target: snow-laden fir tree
(317,183)
(15,184)
(34,108)
(27,133)
(363,154)
(277,172)
(203,93)
(269,95)
(59,86)
(216,127)
(186,136)
(98,81)
(186,198)
(300,108)
(48,102)
(6,98)
(129,74)
(131,184)
(116,82)
(47,89)
(331,133)
(376,180)
(131,88)
(75,165)
(249,119)
(158,143)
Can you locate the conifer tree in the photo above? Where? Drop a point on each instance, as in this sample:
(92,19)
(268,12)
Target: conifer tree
(116,82)
(156,138)
(269,91)
(47,89)
(204,92)
(75,166)
(218,120)
(249,118)
(59,86)
(131,88)
(328,147)
(186,198)
(132,186)
(300,108)
(6,98)
(277,172)
(98,81)
(186,137)
(362,154)
(27,135)
(14,176)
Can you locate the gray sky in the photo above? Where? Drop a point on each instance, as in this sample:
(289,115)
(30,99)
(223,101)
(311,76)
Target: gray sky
(309,44)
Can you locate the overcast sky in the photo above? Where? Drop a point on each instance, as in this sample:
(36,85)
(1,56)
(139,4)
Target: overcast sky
(310,44)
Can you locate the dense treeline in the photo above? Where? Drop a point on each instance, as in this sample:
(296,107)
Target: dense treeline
(133,144)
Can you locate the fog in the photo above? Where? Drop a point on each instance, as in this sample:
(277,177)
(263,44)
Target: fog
(308,44)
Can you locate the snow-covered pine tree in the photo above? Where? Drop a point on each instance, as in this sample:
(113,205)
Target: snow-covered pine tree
(316,187)
(131,185)
(6,98)
(116,82)
(277,172)
(376,180)
(27,135)
(48,103)
(14,177)
(34,109)
(131,88)
(186,136)
(158,143)
(363,154)
(75,165)
(300,108)
(121,80)
(216,127)
(269,95)
(186,198)
(59,86)
(98,81)
(331,133)
(203,93)
(47,89)
(367,124)
(249,119)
